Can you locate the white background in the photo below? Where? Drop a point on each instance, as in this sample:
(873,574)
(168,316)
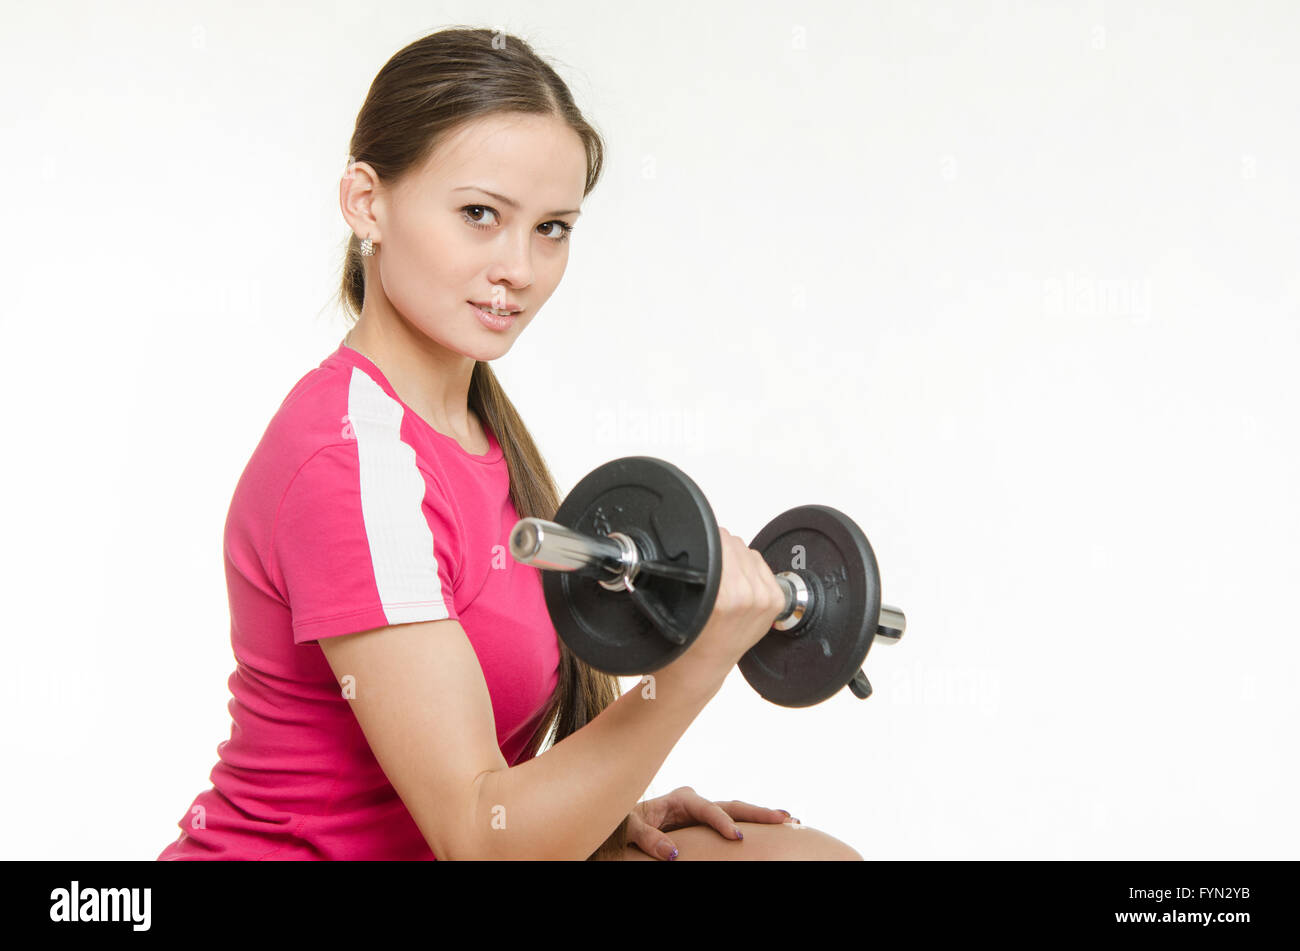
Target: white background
(1012,284)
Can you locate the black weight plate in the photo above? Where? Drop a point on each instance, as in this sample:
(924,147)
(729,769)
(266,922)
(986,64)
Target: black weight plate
(652,500)
(808,665)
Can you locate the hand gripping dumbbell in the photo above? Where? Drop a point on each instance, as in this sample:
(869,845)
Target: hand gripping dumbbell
(632,564)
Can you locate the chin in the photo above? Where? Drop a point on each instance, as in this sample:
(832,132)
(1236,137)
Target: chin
(489,352)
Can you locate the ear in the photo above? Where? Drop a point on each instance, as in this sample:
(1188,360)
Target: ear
(361,199)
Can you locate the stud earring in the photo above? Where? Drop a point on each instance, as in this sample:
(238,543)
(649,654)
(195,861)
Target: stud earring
(367,247)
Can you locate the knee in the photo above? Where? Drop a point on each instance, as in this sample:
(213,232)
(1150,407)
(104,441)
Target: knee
(802,843)
(763,841)
(831,849)
(851,854)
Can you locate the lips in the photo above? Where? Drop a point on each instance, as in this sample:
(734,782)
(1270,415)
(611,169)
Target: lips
(509,308)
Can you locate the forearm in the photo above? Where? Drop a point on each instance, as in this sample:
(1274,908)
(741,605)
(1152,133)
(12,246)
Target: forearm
(565,802)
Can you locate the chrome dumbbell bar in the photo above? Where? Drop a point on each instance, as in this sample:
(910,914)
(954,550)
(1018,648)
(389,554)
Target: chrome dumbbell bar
(615,562)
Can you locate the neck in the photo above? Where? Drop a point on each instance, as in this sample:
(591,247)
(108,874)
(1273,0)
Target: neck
(430,379)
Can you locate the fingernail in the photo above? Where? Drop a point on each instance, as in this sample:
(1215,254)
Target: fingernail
(666,850)
(673,857)
(739,834)
(787,815)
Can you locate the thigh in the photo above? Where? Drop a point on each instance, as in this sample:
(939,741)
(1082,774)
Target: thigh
(762,841)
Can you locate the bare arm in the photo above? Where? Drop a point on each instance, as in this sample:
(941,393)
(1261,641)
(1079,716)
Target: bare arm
(563,803)
(424,707)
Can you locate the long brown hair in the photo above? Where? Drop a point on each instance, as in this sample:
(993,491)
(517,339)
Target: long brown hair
(423,94)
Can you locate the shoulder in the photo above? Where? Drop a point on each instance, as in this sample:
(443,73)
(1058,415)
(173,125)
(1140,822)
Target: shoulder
(318,425)
(307,435)
(314,415)
(339,438)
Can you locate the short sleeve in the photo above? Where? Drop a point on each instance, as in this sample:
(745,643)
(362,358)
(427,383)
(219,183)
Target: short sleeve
(363,540)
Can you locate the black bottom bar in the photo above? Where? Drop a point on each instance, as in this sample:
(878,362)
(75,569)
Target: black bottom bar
(1226,902)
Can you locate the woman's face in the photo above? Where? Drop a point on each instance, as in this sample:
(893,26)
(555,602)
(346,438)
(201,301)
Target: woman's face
(484,220)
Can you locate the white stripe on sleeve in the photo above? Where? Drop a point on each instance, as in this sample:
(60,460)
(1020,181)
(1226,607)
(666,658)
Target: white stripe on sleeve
(392,506)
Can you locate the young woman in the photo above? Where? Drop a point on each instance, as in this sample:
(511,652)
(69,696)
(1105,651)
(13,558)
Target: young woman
(397,672)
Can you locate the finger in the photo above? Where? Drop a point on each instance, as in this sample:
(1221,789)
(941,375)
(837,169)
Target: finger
(650,840)
(748,812)
(676,808)
(712,814)
(653,811)
(766,587)
(741,577)
(775,594)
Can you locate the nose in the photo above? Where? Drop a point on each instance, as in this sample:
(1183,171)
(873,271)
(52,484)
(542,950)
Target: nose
(513,264)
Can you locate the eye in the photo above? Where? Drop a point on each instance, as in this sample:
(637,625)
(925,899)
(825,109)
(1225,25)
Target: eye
(475,221)
(468,210)
(565,230)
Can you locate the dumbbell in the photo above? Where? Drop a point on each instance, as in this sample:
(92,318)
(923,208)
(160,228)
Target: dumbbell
(632,563)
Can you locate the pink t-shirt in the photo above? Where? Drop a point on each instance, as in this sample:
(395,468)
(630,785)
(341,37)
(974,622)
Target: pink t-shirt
(354,513)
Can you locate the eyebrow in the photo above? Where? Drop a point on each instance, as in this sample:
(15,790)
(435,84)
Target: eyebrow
(510,202)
